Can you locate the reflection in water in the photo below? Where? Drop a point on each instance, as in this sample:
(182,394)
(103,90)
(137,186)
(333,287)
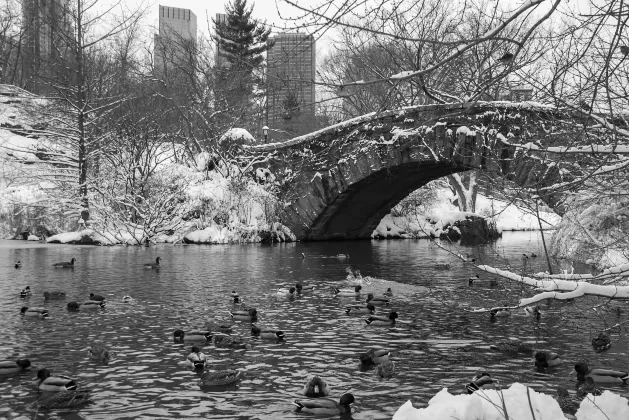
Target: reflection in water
(436,342)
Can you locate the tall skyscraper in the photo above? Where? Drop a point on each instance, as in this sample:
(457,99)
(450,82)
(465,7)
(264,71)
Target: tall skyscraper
(176,39)
(220,59)
(291,70)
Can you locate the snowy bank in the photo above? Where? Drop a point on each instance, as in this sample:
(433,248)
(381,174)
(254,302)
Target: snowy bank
(488,405)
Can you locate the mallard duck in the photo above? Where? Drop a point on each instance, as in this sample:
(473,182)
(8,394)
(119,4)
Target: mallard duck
(65,264)
(384,370)
(153,265)
(377,301)
(236,298)
(316,387)
(566,403)
(325,405)
(481,381)
(34,312)
(18,264)
(360,309)
(471,280)
(93,304)
(544,359)
(388,292)
(73,306)
(269,334)
(46,382)
(65,399)
(96,297)
(499,313)
(533,255)
(588,387)
(286,292)
(26,292)
(127,299)
(532,311)
(348,292)
(602,342)
(379,320)
(374,357)
(225,341)
(196,359)
(604,376)
(219,378)
(54,295)
(10,367)
(214,326)
(98,353)
(514,346)
(195,336)
(250,315)
(300,289)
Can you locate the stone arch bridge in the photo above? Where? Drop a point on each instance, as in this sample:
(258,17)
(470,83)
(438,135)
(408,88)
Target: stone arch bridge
(339,182)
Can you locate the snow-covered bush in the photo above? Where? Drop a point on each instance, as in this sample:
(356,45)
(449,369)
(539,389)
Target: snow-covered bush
(235,137)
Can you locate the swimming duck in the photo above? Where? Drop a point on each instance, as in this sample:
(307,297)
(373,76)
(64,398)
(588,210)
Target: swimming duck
(379,320)
(214,326)
(96,297)
(224,341)
(73,306)
(532,311)
(471,280)
(499,313)
(18,264)
(219,378)
(153,265)
(377,301)
(533,255)
(236,297)
(46,382)
(374,357)
(92,304)
(316,387)
(348,292)
(98,353)
(286,292)
(300,289)
(544,359)
(588,387)
(250,315)
(269,334)
(26,292)
(604,376)
(196,359)
(602,342)
(127,299)
(325,405)
(342,256)
(566,403)
(514,346)
(65,264)
(65,399)
(9,367)
(360,309)
(385,370)
(480,381)
(388,292)
(182,336)
(54,295)
(38,312)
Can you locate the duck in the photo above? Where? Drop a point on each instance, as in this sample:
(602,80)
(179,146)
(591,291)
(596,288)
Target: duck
(544,359)
(127,299)
(98,353)
(18,264)
(348,292)
(604,376)
(385,370)
(93,304)
(34,312)
(360,309)
(374,357)
(471,280)
(567,404)
(96,297)
(377,301)
(300,289)
(286,292)
(73,306)
(316,387)
(10,367)
(196,359)
(602,342)
(26,292)
(219,377)
(182,336)
(153,265)
(588,387)
(513,346)
(379,320)
(268,334)
(388,292)
(325,405)
(342,256)
(65,399)
(499,313)
(54,295)
(224,341)
(250,315)
(214,326)
(480,381)
(65,264)
(533,255)
(46,382)
(236,298)
(532,311)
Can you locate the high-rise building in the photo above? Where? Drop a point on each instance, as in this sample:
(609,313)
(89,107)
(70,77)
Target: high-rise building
(220,59)
(47,31)
(291,70)
(174,44)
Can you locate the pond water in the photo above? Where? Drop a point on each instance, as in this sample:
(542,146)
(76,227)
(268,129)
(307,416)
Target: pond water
(436,343)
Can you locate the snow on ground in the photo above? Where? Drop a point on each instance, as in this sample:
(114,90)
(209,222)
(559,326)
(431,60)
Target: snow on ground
(488,405)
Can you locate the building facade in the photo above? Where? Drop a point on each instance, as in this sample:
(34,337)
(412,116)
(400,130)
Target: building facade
(291,73)
(220,60)
(176,41)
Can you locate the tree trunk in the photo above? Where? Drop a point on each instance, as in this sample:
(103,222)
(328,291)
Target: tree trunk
(465,189)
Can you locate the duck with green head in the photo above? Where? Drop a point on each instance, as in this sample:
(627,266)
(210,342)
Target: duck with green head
(325,406)
(481,381)
(374,357)
(47,382)
(153,265)
(34,312)
(544,359)
(65,264)
(196,359)
(388,321)
(348,292)
(604,376)
(377,301)
(11,367)
(249,315)
(267,334)
(316,387)
(360,309)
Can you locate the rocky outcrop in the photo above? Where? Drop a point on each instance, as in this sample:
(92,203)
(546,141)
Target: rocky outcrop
(471,230)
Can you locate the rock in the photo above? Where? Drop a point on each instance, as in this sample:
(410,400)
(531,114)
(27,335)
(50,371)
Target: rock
(472,230)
